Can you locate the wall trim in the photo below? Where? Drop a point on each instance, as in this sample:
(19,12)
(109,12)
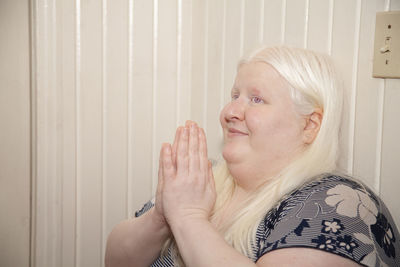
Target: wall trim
(46,188)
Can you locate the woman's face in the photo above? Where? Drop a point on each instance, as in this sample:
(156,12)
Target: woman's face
(260,125)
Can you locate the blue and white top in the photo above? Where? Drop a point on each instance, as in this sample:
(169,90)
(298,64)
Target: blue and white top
(334,214)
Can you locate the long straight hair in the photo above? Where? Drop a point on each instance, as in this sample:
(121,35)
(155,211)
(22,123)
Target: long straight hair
(313,85)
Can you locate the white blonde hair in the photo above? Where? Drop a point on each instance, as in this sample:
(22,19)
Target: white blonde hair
(313,85)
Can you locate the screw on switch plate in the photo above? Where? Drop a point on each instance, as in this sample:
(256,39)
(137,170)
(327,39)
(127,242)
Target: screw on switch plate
(387,45)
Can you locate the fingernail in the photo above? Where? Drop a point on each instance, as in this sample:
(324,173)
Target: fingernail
(168,150)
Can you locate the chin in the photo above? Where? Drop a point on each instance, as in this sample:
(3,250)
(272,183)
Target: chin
(232,154)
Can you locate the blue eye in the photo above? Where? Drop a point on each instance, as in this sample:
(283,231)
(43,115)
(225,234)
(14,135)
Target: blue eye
(256,100)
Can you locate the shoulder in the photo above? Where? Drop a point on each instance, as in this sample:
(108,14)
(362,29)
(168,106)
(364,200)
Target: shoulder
(335,214)
(299,256)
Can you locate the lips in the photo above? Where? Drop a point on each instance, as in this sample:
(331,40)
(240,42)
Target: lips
(235,132)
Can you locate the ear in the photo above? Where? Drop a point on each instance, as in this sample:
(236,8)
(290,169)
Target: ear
(312,126)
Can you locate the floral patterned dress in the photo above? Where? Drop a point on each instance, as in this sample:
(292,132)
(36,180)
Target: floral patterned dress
(332,213)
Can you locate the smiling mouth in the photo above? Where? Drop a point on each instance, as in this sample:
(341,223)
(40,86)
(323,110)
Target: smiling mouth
(235,132)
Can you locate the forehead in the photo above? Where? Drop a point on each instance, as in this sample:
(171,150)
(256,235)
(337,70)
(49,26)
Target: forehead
(260,76)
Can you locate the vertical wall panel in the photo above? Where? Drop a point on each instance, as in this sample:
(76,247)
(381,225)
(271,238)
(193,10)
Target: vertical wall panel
(165,98)
(343,42)
(115,64)
(129,128)
(214,49)
(252,25)
(15,143)
(47,180)
(232,45)
(390,181)
(66,11)
(318,26)
(91,145)
(223,87)
(367,126)
(295,24)
(390,168)
(199,40)
(184,59)
(274,15)
(77,112)
(141,83)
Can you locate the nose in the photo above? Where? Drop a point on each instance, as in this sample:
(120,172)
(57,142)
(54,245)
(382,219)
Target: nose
(234,110)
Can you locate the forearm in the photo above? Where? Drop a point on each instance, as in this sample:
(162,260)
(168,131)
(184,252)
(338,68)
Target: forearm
(136,242)
(201,245)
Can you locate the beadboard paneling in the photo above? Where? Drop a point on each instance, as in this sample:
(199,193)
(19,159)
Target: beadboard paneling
(319,27)
(369,106)
(344,50)
(296,26)
(15,134)
(390,151)
(113,80)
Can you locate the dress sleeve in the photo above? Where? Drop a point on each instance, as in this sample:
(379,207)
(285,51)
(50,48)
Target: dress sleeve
(335,215)
(146,207)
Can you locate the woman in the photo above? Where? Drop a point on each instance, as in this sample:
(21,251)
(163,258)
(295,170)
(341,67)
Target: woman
(274,200)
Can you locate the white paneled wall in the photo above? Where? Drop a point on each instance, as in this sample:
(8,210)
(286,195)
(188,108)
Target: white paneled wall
(113,79)
(15,160)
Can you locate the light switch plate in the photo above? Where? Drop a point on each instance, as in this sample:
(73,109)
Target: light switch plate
(387,45)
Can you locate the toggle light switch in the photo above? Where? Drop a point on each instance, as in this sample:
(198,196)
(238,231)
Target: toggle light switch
(387,45)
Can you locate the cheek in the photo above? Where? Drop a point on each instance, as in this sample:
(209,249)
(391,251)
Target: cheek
(273,124)
(260,122)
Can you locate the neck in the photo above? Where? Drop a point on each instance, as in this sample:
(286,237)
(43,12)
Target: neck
(249,178)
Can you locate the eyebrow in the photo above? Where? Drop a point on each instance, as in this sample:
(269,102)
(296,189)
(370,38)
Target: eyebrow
(255,90)
(251,89)
(234,89)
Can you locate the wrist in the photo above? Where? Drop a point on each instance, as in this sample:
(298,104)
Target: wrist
(158,221)
(187,223)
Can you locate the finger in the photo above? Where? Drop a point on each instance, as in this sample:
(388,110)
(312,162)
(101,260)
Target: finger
(160,183)
(168,169)
(160,167)
(182,152)
(175,144)
(203,139)
(211,176)
(203,151)
(194,148)
(188,123)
